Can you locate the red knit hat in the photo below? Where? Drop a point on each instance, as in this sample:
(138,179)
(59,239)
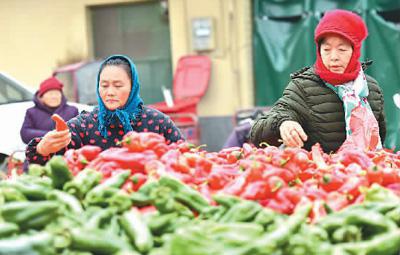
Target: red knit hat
(350,26)
(48,84)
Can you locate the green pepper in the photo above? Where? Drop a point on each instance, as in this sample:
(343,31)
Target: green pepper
(137,230)
(11,194)
(37,170)
(8,229)
(38,243)
(371,222)
(96,241)
(121,201)
(101,194)
(388,244)
(271,241)
(69,201)
(34,190)
(59,172)
(380,207)
(98,219)
(265,217)
(146,188)
(114,181)
(44,181)
(114,226)
(226,200)
(158,223)
(183,193)
(213,213)
(164,201)
(234,233)
(347,233)
(241,212)
(394,215)
(83,182)
(139,199)
(99,197)
(29,214)
(109,197)
(377,193)
(40,221)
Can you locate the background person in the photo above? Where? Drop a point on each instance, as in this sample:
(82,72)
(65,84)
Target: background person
(48,100)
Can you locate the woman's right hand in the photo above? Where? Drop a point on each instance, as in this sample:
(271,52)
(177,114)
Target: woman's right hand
(53,142)
(292,134)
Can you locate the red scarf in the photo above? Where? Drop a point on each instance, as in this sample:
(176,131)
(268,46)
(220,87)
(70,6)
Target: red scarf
(350,26)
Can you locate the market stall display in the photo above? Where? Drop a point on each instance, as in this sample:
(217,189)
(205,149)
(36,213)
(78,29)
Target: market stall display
(148,197)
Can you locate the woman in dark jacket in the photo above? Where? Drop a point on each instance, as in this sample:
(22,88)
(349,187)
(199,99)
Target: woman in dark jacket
(120,110)
(332,103)
(48,100)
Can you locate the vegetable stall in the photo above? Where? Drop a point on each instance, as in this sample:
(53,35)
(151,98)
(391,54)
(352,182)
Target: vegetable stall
(150,197)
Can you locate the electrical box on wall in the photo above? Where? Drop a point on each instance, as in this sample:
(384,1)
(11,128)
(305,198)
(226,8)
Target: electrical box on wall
(203,34)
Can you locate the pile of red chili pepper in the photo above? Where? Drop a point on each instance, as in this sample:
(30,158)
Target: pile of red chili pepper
(277,178)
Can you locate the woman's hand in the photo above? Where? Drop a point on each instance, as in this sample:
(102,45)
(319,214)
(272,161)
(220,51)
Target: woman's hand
(292,134)
(53,141)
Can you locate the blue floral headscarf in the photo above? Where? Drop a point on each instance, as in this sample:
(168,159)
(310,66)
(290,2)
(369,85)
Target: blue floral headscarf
(129,112)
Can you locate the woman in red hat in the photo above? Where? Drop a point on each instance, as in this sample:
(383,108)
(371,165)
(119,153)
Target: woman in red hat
(49,99)
(333,102)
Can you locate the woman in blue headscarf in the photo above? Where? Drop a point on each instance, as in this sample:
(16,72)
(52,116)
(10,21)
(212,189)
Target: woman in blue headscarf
(120,110)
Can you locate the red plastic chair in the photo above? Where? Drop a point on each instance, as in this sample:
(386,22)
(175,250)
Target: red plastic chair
(190,83)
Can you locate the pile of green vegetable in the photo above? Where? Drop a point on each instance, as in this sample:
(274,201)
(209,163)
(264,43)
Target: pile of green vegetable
(49,211)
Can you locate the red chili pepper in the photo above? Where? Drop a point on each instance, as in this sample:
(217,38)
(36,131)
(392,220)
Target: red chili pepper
(312,191)
(281,205)
(236,186)
(298,160)
(331,182)
(107,168)
(134,182)
(375,175)
(293,194)
(318,156)
(307,174)
(379,159)
(207,193)
(138,142)
(61,125)
(182,166)
(390,176)
(336,201)
(90,152)
(258,190)
(128,160)
(247,149)
(347,157)
(351,187)
(285,174)
(221,175)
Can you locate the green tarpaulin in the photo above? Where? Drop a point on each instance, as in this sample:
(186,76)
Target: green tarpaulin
(283,33)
